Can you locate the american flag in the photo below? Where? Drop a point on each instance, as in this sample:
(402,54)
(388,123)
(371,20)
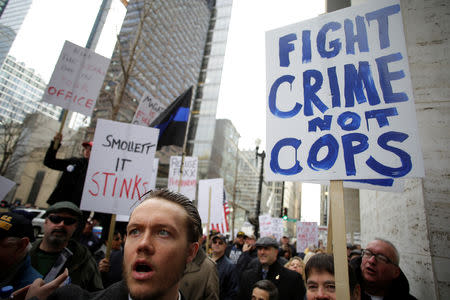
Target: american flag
(226,210)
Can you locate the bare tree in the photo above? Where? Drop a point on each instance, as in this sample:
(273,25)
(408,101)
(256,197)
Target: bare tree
(128,51)
(11,138)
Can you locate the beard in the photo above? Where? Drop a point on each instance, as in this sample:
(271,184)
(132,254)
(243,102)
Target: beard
(59,240)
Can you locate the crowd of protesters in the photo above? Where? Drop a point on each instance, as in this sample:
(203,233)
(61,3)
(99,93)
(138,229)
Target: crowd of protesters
(242,268)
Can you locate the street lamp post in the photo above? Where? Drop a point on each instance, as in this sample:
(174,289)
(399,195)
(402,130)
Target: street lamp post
(261,154)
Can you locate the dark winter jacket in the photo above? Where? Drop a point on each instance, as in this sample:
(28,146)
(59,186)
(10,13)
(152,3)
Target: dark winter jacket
(398,290)
(117,291)
(70,185)
(83,270)
(244,260)
(228,279)
(289,283)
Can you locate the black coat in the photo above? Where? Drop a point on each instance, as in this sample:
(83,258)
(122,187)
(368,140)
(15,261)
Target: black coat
(70,185)
(289,283)
(398,290)
(117,291)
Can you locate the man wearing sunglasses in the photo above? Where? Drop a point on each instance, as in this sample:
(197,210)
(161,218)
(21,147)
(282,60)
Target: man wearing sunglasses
(57,250)
(379,272)
(228,280)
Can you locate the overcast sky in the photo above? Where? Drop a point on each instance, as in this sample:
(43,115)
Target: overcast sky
(242,93)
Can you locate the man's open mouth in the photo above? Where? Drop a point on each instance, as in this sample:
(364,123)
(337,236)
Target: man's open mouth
(142,270)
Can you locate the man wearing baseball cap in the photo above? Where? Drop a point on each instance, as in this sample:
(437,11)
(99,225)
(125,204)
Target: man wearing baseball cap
(289,283)
(57,250)
(70,185)
(16,235)
(228,280)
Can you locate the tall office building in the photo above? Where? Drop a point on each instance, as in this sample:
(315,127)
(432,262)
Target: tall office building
(203,118)
(12,14)
(167,56)
(21,91)
(224,156)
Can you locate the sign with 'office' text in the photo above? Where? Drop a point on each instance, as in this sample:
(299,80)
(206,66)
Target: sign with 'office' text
(120,167)
(76,79)
(339,98)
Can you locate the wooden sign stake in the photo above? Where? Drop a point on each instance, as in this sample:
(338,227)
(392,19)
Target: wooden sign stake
(209,221)
(339,239)
(112,226)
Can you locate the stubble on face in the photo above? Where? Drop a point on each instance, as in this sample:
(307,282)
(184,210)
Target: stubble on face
(156,249)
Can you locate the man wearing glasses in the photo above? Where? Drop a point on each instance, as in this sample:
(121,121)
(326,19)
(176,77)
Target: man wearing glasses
(57,250)
(379,272)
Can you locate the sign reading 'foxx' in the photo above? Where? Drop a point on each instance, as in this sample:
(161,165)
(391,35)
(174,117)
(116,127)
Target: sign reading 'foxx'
(339,98)
(120,167)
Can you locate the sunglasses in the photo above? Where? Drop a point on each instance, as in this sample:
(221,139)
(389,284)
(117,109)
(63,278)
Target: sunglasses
(217,241)
(58,219)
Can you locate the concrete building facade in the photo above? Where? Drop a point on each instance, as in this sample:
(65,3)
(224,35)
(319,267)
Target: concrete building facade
(21,91)
(417,221)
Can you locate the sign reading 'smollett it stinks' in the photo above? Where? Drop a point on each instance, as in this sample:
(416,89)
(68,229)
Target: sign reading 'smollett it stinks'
(339,98)
(120,168)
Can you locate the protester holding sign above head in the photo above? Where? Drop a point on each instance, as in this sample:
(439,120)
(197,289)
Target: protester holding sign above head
(70,185)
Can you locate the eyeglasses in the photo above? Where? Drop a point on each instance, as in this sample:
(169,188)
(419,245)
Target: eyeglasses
(379,257)
(220,242)
(55,219)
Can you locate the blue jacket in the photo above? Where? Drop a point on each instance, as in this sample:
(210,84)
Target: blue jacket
(25,274)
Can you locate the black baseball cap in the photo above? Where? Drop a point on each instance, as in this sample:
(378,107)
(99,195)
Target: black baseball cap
(15,225)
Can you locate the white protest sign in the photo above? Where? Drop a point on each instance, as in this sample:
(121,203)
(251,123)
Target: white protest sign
(120,167)
(5,186)
(277,228)
(339,99)
(147,111)
(307,234)
(188,183)
(216,211)
(382,184)
(125,218)
(76,79)
(265,225)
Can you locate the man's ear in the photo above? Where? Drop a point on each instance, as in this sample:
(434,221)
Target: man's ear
(23,244)
(192,251)
(396,272)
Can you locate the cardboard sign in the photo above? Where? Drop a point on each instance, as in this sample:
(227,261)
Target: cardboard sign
(76,79)
(125,218)
(216,211)
(147,111)
(265,225)
(120,167)
(269,226)
(339,99)
(5,186)
(307,234)
(188,179)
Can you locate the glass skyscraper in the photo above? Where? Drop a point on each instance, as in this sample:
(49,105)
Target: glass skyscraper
(12,14)
(21,91)
(203,118)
